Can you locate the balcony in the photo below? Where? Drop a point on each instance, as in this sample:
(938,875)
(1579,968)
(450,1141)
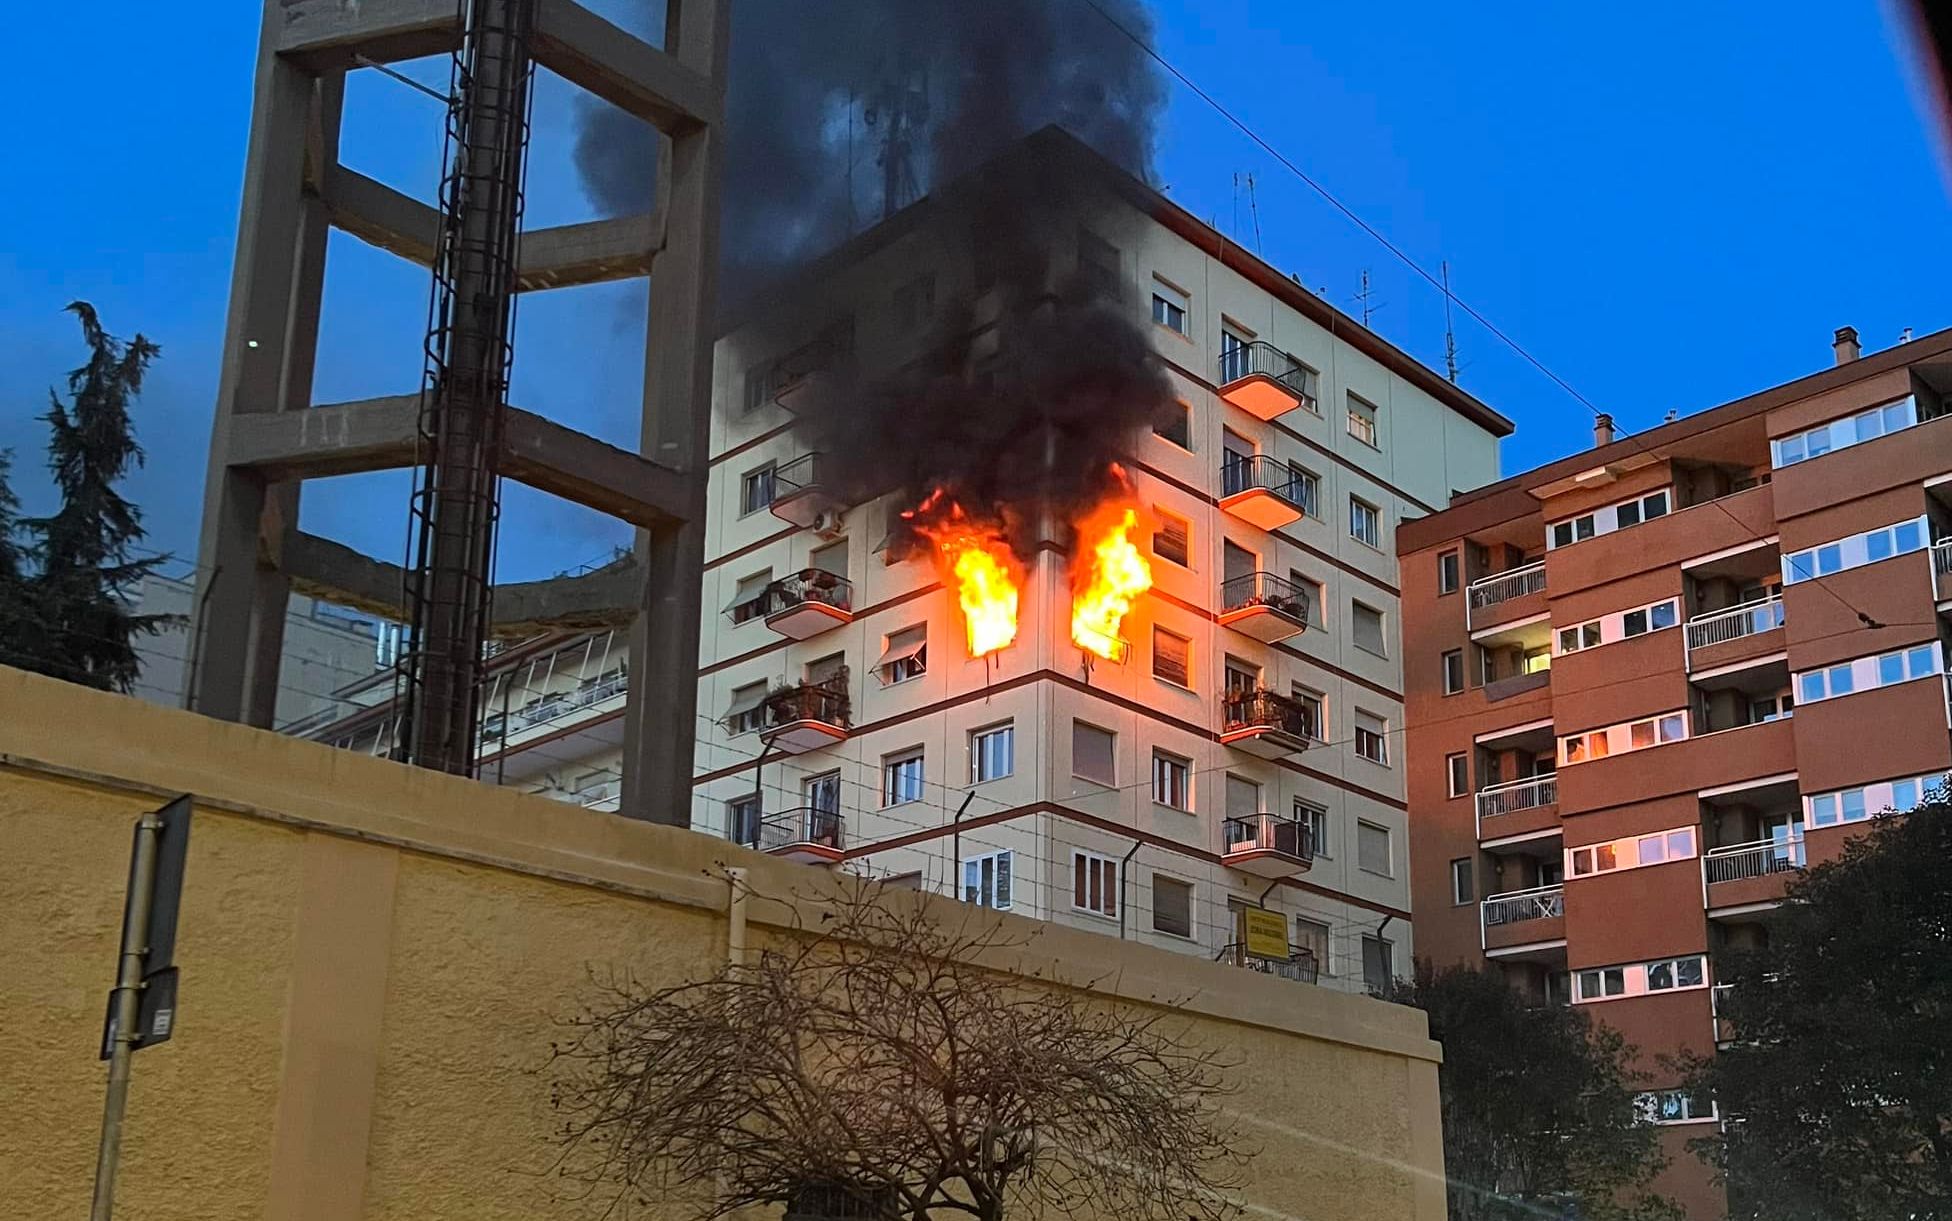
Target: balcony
(1942,570)
(1264,381)
(1721,627)
(1261,491)
(1264,606)
(801,497)
(1485,593)
(1498,801)
(1265,724)
(805,716)
(1266,845)
(808,834)
(795,373)
(1522,918)
(808,603)
(1299,965)
(1745,879)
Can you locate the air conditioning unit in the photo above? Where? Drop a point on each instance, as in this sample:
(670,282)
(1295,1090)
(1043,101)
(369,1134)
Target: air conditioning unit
(826,523)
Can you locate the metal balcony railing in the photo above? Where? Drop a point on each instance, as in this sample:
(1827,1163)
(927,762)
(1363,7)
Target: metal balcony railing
(825,702)
(1753,860)
(809,585)
(1735,622)
(1264,358)
(1261,707)
(1247,832)
(797,476)
(1942,569)
(1299,965)
(1487,592)
(1264,589)
(1246,472)
(804,825)
(1526,793)
(1519,906)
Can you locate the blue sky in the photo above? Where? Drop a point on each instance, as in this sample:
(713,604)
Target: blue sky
(1669,206)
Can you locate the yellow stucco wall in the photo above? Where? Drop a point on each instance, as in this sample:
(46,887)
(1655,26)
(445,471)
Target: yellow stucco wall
(372,958)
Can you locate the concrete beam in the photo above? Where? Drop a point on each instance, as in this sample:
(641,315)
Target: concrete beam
(328,35)
(334,572)
(627,72)
(383,434)
(593,252)
(381,216)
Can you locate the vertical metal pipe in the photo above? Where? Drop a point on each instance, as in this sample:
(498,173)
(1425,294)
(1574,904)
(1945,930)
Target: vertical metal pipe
(128,995)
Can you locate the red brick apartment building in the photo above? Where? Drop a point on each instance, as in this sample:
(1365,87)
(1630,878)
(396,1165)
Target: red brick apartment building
(1639,693)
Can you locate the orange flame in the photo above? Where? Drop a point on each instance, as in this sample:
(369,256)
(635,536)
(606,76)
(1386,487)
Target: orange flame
(977,560)
(1109,574)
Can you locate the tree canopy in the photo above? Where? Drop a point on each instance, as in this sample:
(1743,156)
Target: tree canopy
(1538,1105)
(1836,1087)
(64,577)
(872,1070)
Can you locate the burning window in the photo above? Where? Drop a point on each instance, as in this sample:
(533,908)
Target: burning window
(1172,658)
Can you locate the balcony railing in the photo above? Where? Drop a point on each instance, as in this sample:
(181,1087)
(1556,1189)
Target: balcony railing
(1299,965)
(1942,570)
(554,707)
(825,702)
(1527,793)
(1261,708)
(1269,361)
(1735,622)
(1254,589)
(809,585)
(1289,836)
(1518,906)
(1247,472)
(1487,592)
(809,825)
(1752,860)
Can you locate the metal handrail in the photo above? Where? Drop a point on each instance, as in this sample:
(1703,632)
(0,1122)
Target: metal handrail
(1525,793)
(1261,707)
(809,585)
(1518,906)
(1261,357)
(825,702)
(1299,965)
(1757,859)
(798,475)
(801,825)
(1246,472)
(1246,832)
(1264,589)
(1735,622)
(1503,586)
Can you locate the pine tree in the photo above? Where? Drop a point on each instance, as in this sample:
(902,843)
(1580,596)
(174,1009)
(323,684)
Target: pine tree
(69,581)
(18,624)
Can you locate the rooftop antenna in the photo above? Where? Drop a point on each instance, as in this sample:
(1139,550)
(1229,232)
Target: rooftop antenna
(1254,210)
(899,107)
(1236,225)
(1450,332)
(1365,298)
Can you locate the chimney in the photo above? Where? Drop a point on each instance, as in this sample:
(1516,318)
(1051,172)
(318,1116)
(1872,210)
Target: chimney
(1602,430)
(1846,345)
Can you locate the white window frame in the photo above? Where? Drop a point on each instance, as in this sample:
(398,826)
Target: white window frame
(1309,697)
(753,718)
(1844,432)
(1859,803)
(1174,303)
(757,488)
(1356,610)
(1613,627)
(1317,937)
(1099,880)
(1166,784)
(1307,487)
(1663,729)
(891,795)
(1363,421)
(1466,894)
(1647,1106)
(1314,816)
(995,890)
(1457,774)
(1857,550)
(1456,655)
(1450,571)
(906,669)
(1606,519)
(1862,674)
(1632,978)
(1632,851)
(1379,735)
(1357,507)
(998,740)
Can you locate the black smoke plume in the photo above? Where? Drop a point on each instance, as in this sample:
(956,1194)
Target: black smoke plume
(1032,431)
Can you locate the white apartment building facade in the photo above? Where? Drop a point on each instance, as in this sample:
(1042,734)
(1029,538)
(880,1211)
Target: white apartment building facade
(843,722)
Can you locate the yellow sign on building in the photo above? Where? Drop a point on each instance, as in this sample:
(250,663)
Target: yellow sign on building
(1265,932)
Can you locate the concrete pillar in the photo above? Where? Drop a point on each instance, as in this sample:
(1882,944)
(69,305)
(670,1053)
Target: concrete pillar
(660,720)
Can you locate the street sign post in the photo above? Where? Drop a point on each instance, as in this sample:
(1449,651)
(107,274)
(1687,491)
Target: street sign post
(142,1004)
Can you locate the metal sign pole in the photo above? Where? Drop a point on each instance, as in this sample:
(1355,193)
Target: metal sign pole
(122,1032)
(142,1005)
